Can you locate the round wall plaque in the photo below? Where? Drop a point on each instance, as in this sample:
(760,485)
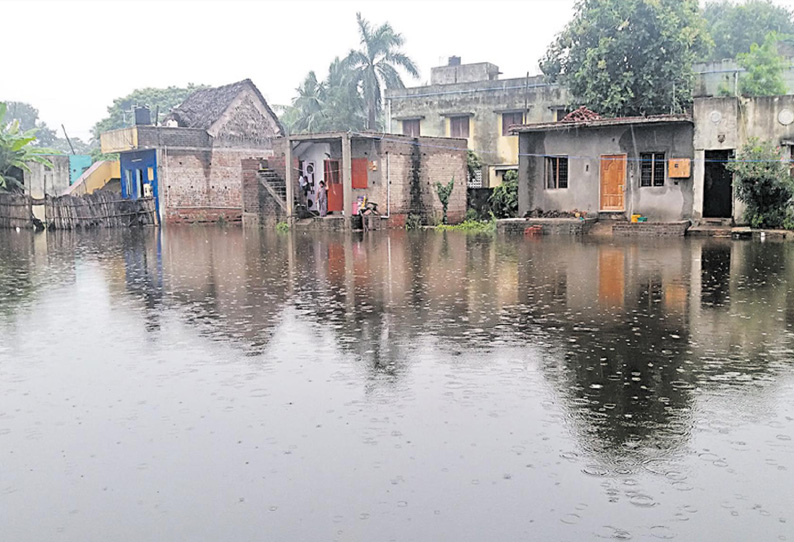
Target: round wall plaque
(786,117)
(715,117)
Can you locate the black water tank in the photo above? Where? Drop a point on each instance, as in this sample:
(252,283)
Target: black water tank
(143,116)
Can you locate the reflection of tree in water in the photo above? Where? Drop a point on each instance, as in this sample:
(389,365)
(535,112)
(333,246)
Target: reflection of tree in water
(615,331)
(16,270)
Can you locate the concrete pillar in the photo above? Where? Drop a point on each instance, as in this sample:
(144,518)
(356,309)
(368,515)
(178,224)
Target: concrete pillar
(525,187)
(698,183)
(288,179)
(347,180)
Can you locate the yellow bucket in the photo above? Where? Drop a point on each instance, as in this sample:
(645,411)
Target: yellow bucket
(634,218)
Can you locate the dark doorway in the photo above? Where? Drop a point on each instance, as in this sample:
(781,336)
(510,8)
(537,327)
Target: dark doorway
(718,186)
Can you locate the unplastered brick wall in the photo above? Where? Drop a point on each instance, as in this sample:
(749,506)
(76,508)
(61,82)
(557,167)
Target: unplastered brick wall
(205,186)
(415,166)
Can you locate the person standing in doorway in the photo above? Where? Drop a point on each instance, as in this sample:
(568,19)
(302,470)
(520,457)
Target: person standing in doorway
(322,199)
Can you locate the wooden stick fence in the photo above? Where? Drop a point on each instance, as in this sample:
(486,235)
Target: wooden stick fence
(100,209)
(15,211)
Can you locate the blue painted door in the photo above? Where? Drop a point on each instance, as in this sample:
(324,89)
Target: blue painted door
(139,175)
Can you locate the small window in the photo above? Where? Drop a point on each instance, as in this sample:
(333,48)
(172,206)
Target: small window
(556,172)
(560,113)
(411,127)
(511,119)
(652,169)
(459,126)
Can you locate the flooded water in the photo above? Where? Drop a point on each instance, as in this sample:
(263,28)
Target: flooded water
(211,384)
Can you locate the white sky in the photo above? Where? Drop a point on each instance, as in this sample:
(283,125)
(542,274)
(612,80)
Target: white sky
(70,59)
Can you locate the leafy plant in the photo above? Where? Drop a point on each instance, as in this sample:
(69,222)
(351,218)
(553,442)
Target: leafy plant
(764,184)
(444,192)
(472,226)
(282,227)
(629,57)
(504,198)
(764,69)
(16,151)
(473,163)
(413,222)
(734,27)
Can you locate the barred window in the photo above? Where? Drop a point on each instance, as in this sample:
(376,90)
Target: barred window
(652,169)
(511,119)
(557,172)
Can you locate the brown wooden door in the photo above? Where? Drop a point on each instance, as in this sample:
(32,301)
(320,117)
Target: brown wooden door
(613,182)
(333,183)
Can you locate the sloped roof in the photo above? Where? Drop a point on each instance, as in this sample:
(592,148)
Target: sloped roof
(204,107)
(581,114)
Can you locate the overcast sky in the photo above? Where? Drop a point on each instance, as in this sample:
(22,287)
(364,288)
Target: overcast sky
(70,59)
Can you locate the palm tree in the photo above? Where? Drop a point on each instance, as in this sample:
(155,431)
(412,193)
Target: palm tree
(16,152)
(344,106)
(308,105)
(374,66)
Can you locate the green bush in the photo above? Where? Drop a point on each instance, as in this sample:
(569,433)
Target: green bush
(504,199)
(282,227)
(764,184)
(413,222)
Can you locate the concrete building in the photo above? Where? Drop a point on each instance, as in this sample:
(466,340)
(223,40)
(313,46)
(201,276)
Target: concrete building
(398,173)
(722,126)
(614,167)
(470,101)
(714,78)
(193,165)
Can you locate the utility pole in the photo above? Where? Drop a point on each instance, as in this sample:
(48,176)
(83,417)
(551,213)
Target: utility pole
(69,141)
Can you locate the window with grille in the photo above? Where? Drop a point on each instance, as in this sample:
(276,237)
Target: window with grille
(510,119)
(652,169)
(411,127)
(556,172)
(459,126)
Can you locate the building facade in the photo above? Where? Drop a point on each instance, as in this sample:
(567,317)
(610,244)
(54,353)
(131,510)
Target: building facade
(469,101)
(193,165)
(612,167)
(398,173)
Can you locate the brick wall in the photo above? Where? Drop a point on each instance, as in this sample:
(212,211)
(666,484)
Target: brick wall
(259,206)
(205,186)
(651,229)
(415,166)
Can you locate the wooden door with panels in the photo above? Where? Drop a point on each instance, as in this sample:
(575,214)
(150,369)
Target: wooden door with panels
(613,182)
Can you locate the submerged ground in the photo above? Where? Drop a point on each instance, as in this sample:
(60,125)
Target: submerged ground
(220,384)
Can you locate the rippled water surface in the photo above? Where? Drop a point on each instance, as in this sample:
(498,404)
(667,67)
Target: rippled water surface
(211,384)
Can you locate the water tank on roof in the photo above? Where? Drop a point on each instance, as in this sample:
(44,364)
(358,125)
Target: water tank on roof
(454,61)
(143,116)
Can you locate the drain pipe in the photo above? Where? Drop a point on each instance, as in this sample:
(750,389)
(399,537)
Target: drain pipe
(388,190)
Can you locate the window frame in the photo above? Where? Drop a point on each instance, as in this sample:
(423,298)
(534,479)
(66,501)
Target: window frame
(560,176)
(460,118)
(506,125)
(412,122)
(650,162)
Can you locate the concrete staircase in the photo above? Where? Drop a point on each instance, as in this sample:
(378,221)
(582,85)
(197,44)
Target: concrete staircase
(275,185)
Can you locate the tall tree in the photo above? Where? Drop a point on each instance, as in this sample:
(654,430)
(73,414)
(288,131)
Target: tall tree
(629,57)
(763,69)
(735,27)
(119,113)
(307,112)
(344,105)
(375,66)
(28,118)
(16,151)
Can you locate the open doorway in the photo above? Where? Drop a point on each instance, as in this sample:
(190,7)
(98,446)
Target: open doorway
(718,185)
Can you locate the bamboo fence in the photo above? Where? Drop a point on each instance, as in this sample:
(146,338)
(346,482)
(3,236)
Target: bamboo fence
(97,210)
(15,211)
(100,209)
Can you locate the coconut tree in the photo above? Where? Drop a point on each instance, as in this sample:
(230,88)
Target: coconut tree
(308,111)
(16,151)
(375,65)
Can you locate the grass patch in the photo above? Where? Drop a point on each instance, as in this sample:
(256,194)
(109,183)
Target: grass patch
(282,227)
(471,226)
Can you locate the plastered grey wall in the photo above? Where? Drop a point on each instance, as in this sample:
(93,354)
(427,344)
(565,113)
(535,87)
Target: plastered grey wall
(584,147)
